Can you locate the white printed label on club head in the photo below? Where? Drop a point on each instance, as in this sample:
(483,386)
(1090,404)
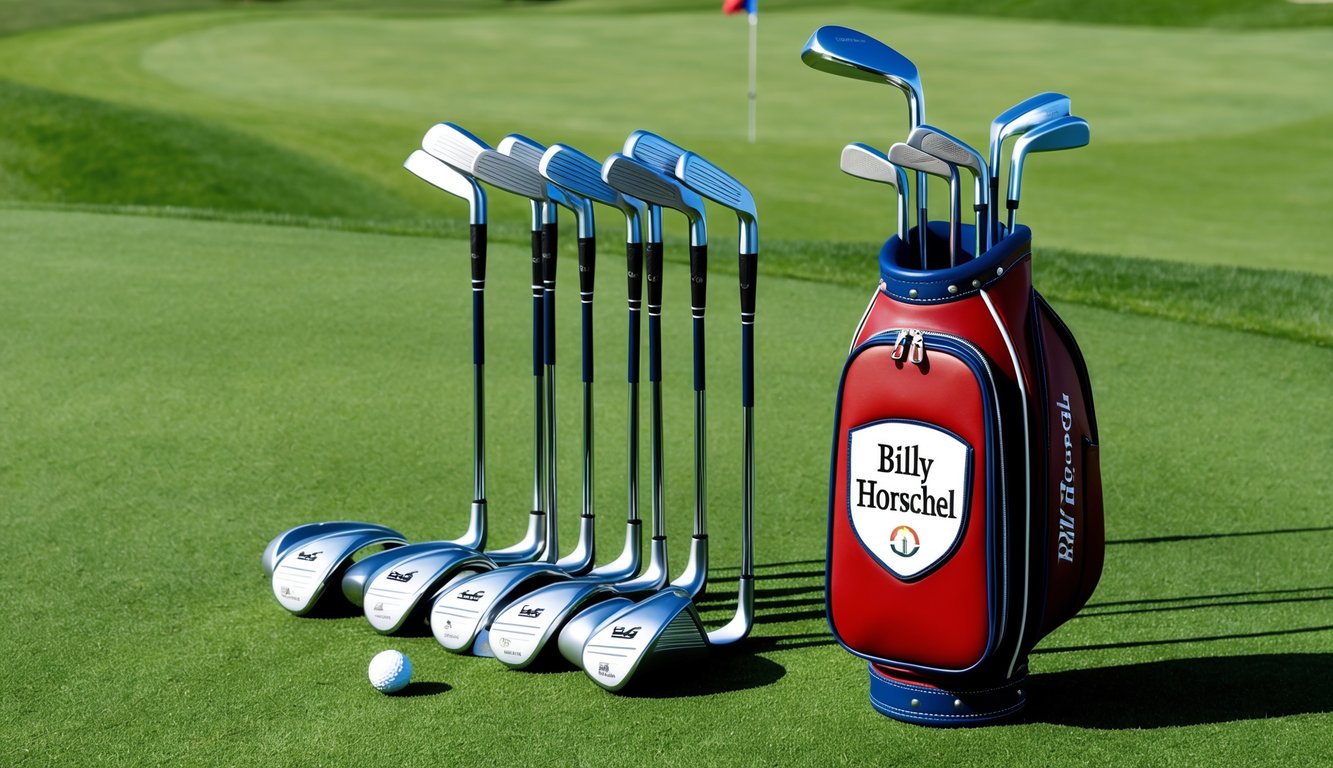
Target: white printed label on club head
(907,495)
(461,610)
(300,574)
(519,630)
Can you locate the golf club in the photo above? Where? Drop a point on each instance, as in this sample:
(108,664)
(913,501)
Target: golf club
(849,53)
(917,160)
(398,588)
(1061,133)
(866,162)
(303,560)
(930,139)
(1019,119)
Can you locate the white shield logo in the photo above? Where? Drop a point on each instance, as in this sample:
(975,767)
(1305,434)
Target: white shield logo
(907,494)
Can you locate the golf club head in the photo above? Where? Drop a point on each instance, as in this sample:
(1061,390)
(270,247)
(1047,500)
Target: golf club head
(653,151)
(360,573)
(1022,117)
(719,186)
(303,570)
(454,145)
(940,144)
(1066,132)
(662,630)
(849,53)
(581,175)
(529,153)
(635,179)
(398,588)
(865,162)
(577,630)
(292,537)
(438,174)
(502,171)
(520,632)
(919,160)
(462,610)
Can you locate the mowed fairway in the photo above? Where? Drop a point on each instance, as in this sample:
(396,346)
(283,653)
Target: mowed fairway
(226,310)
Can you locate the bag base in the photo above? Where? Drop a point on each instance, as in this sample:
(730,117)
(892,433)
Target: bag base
(912,701)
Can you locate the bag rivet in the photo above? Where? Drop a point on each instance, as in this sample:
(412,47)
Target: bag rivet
(957,703)
(912,293)
(953,289)
(999,271)
(976,283)
(916,703)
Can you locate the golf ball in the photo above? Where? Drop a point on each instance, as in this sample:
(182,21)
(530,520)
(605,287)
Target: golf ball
(390,671)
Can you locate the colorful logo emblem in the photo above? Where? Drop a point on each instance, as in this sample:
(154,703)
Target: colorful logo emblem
(904,542)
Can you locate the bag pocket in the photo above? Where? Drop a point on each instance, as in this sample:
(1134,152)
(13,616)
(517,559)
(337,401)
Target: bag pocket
(917,572)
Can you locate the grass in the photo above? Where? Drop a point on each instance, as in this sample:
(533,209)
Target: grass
(227,311)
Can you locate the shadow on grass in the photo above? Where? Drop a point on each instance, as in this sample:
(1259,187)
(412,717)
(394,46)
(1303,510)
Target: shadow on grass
(424,688)
(1165,694)
(1203,536)
(722,670)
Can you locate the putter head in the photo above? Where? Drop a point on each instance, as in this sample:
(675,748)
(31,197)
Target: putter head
(522,630)
(465,608)
(635,179)
(663,630)
(720,187)
(848,53)
(437,173)
(304,569)
(512,176)
(1066,132)
(530,152)
(920,160)
(399,587)
(653,151)
(454,145)
(581,175)
(292,537)
(1022,117)
(940,144)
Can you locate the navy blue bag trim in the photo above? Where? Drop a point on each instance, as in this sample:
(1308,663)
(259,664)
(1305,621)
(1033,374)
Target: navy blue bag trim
(929,705)
(914,286)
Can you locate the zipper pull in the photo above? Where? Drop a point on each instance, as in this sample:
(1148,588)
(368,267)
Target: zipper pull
(898,348)
(918,347)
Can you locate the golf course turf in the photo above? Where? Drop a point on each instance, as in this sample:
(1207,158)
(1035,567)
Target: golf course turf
(227,310)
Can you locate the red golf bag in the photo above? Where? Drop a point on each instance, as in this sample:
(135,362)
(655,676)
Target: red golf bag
(965,502)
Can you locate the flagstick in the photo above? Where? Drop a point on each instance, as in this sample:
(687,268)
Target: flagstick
(754,67)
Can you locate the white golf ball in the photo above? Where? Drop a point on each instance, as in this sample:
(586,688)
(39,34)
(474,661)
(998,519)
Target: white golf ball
(390,671)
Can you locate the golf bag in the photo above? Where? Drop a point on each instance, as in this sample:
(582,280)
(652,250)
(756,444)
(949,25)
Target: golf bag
(965,503)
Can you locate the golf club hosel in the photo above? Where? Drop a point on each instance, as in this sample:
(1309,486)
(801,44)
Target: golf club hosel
(695,576)
(580,560)
(475,537)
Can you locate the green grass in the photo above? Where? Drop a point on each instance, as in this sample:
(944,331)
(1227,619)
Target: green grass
(226,310)
(181,390)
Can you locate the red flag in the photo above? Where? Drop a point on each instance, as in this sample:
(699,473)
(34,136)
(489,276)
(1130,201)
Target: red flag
(736,6)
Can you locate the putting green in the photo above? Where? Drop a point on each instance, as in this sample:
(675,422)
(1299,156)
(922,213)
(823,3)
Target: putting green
(1208,145)
(178,391)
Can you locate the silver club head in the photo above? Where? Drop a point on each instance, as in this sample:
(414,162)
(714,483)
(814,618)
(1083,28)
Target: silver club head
(720,187)
(940,144)
(924,162)
(437,173)
(398,590)
(569,168)
(663,629)
(530,152)
(303,571)
(656,188)
(848,53)
(510,175)
(295,537)
(1066,132)
(866,162)
(1021,118)
(454,145)
(653,151)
